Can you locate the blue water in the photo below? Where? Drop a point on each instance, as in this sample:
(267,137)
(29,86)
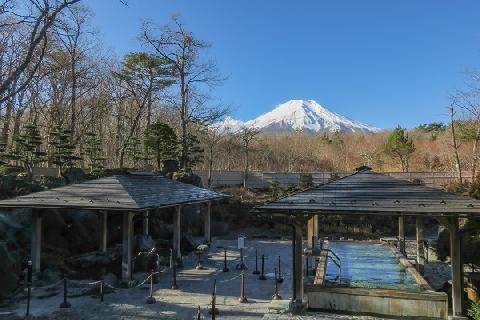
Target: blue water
(366,265)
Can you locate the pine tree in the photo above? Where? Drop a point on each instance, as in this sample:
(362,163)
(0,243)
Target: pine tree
(399,145)
(161,142)
(28,148)
(135,151)
(93,152)
(63,150)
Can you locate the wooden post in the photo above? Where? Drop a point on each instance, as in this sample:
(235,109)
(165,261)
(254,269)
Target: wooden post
(177,232)
(102,217)
(420,246)
(457,268)
(316,227)
(36,246)
(298,268)
(127,245)
(145,223)
(310,231)
(208,217)
(401,235)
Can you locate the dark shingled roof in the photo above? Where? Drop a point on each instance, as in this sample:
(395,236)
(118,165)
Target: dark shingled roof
(367,192)
(135,192)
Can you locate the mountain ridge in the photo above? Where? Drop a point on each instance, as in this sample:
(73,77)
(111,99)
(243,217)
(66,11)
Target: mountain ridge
(300,115)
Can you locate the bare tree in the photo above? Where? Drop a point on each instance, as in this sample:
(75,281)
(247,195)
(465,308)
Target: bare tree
(247,135)
(455,145)
(182,50)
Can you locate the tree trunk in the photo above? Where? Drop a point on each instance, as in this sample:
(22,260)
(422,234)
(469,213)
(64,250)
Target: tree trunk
(245,172)
(210,165)
(474,151)
(455,145)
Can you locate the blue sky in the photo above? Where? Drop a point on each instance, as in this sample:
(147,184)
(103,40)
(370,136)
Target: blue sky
(380,62)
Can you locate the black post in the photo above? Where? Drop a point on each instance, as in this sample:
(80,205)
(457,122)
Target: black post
(262,274)
(174,272)
(225,268)
(276,295)
(213,310)
(280,278)
(294,282)
(242,298)
(65,303)
(313,243)
(256,263)
(306,265)
(29,286)
(199,314)
(151,299)
(102,284)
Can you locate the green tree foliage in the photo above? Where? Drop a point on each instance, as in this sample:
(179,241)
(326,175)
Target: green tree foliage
(62,148)
(432,127)
(400,146)
(474,311)
(193,152)
(135,151)
(27,148)
(94,153)
(161,142)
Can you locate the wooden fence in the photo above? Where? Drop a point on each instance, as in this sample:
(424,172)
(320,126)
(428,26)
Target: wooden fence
(258,179)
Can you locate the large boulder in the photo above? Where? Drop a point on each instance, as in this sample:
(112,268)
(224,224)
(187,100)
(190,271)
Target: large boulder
(8,276)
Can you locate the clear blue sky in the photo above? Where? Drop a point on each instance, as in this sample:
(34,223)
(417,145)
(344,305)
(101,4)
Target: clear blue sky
(377,61)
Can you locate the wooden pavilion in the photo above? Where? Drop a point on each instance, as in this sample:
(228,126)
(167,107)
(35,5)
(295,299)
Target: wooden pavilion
(130,194)
(369,193)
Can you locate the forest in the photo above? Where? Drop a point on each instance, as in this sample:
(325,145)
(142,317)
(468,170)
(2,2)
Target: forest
(66,102)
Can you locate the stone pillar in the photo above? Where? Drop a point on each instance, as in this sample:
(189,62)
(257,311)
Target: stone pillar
(36,246)
(127,245)
(177,232)
(102,217)
(401,235)
(310,231)
(207,225)
(298,260)
(420,246)
(145,224)
(457,268)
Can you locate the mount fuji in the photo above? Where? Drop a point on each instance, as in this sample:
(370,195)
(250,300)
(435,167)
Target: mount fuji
(299,115)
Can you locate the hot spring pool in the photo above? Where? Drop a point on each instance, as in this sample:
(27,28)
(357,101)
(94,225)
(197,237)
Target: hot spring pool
(367,265)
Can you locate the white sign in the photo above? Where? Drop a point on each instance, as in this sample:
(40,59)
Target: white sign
(241,242)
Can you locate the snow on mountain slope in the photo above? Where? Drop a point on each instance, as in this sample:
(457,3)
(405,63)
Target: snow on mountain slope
(304,115)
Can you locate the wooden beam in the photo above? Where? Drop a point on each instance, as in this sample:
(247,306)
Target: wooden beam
(207,223)
(145,222)
(420,246)
(457,268)
(103,237)
(298,260)
(316,227)
(36,241)
(127,245)
(401,234)
(177,237)
(310,232)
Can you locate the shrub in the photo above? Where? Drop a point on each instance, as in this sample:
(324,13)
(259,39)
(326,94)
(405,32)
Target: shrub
(474,311)
(306,181)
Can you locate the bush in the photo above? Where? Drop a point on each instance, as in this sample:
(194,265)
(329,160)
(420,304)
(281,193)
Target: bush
(474,311)
(306,181)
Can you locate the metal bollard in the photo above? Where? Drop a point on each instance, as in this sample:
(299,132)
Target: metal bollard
(276,295)
(65,303)
(256,263)
(262,274)
(29,286)
(151,299)
(241,265)
(242,298)
(199,314)
(214,310)
(280,278)
(225,268)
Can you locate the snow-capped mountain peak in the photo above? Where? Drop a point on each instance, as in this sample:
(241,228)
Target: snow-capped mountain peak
(300,115)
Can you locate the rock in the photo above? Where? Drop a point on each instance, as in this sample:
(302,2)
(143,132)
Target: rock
(8,276)
(144,242)
(111,279)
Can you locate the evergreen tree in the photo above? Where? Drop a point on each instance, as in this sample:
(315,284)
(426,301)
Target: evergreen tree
(161,142)
(135,151)
(62,148)
(400,146)
(27,148)
(93,152)
(193,151)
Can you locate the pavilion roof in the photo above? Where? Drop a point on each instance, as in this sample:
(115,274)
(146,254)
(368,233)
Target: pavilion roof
(133,191)
(367,192)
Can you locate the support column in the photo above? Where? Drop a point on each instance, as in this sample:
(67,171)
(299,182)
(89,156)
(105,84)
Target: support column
(457,268)
(145,223)
(207,226)
(127,245)
(36,246)
(298,260)
(102,217)
(420,246)
(310,228)
(177,232)
(316,227)
(401,235)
